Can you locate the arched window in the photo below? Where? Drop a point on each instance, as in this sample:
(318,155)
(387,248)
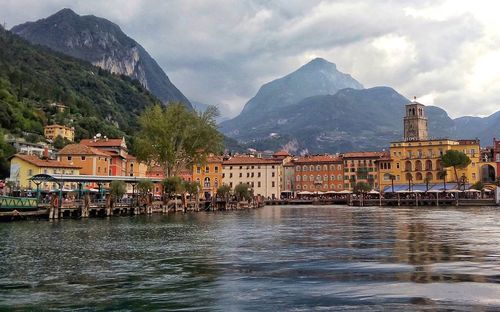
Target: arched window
(325,186)
(332,167)
(439,166)
(304,178)
(428,164)
(325,178)
(311,178)
(325,168)
(206,182)
(419,176)
(216,182)
(305,187)
(304,168)
(318,168)
(298,187)
(418,165)
(332,186)
(311,168)
(409,176)
(339,177)
(332,177)
(297,178)
(297,168)
(428,176)
(408,166)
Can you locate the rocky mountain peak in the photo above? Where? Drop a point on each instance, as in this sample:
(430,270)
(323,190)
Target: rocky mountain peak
(103,43)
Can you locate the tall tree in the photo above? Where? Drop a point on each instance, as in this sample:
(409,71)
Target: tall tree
(176,138)
(455,159)
(243,192)
(362,187)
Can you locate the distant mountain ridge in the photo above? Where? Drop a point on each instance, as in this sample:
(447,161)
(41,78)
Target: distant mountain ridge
(102,43)
(320,110)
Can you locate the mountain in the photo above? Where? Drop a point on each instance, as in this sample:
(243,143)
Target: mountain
(349,120)
(102,43)
(318,77)
(33,79)
(484,128)
(319,109)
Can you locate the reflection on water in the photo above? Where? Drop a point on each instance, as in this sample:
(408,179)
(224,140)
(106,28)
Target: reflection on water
(275,258)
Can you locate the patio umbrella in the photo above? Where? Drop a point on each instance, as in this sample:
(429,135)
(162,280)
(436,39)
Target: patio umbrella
(373,192)
(345,192)
(331,192)
(304,193)
(472,191)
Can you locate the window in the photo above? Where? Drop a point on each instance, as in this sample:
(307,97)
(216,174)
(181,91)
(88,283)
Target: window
(332,167)
(207,169)
(216,169)
(273,174)
(297,178)
(258,183)
(241,175)
(83,157)
(223,175)
(339,177)
(241,167)
(311,178)
(206,182)
(304,178)
(231,184)
(230,175)
(339,167)
(297,168)
(258,174)
(252,174)
(69,157)
(30,172)
(248,174)
(325,178)
(332,177)
(273,184)
(311,168)
(305,187)
(198,169)
(298,187)
(304,168)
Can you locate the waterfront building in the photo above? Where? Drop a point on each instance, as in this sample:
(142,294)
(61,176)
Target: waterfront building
(23,167)
(261,174)
(92,161)
(361,167)
(417,159)
(288,186)
(135,168)
(496,155)
(51,132)
(319,173)
(23,147)
(115,148)
(208,175)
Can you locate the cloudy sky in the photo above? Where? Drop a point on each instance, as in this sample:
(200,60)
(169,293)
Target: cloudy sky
(447,53)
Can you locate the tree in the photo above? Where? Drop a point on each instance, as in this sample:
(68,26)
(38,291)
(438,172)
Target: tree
(427,180)
(176,138)
(478,185)
(224,191)
(193,188)
(60,142)
(362,187)
(392,177)
(6,150)
(171,185)
(117,189)
(145,186)
(455,159)
(243,192)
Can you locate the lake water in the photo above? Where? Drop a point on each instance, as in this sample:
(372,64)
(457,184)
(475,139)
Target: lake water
(270,259)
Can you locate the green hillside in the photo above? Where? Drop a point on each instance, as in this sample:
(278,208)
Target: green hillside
(32,77)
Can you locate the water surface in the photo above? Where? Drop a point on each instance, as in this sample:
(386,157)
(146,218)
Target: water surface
(275,258)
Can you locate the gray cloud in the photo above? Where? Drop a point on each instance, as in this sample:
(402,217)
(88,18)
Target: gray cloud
(221,51)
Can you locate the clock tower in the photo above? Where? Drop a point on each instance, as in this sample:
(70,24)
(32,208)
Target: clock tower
(415,122)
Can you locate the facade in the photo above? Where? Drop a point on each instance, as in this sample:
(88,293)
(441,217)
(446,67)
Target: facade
(53,131)
(116,148)
(91,160)
(23,167)
(419,162)
(135,168)
(361,167)
(318,173)
(208,175)
(496,155)
(262,174)
(289,185)
(38,149)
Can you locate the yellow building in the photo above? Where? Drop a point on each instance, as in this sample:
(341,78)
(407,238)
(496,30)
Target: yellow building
(209,175)
(417,159)
(135,168)
(23,167)
(51,132)
(419,162)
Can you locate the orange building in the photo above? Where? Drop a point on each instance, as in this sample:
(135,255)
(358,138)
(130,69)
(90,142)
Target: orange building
(209,175)
(91,160)
(135,168)
(361,167)
(319,173)
(116,149)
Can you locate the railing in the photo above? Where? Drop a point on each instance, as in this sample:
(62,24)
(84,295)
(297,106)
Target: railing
(7,203)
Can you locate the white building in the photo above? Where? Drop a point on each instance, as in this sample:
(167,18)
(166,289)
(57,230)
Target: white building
(262,174)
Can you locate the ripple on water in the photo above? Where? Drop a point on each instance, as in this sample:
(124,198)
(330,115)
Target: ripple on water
(275,258)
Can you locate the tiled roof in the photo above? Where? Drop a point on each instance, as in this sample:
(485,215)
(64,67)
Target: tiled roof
(317,159)
(248,160)
(363,154)
(214,159)
(44,163)
(281,153)
(80,149)
(102,142)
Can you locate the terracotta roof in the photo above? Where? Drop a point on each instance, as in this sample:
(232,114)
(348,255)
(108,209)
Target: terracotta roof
(102,142)
(249,160)
(214,159)
(317,159)
(281,153)
(80,149)
(363,154)
(44,163)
